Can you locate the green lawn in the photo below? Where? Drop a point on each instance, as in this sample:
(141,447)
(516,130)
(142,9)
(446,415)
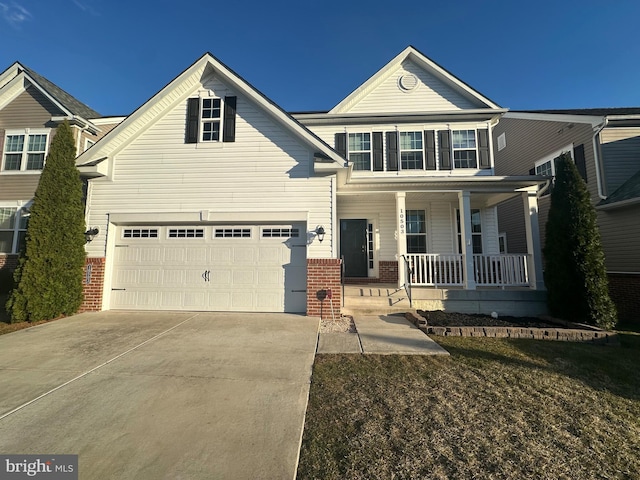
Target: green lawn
(497,408)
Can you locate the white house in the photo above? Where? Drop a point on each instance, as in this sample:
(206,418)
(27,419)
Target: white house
(211,197)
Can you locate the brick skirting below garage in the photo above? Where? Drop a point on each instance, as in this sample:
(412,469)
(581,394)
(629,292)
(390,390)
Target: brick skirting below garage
(323,274)
(93,283)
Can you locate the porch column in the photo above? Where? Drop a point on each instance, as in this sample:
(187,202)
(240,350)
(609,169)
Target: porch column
(401,235)
(464,204)
(534,247)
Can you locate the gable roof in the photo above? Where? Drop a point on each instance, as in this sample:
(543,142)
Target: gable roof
(63,100)
(590,111)
(422,61)
(178,90)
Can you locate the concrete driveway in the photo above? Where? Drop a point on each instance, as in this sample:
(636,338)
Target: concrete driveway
(141,395)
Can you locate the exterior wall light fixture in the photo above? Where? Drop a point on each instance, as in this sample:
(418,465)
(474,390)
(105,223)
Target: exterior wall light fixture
(89,234)
(320,233)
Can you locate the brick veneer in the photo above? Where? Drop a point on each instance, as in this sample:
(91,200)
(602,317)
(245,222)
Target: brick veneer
(625,293)
(92,285)
(388,271)
(323,274)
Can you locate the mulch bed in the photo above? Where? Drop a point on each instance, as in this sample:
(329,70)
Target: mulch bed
(438,318)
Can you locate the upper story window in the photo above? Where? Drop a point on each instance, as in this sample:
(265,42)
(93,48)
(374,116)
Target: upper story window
(360,150)
(211,108)
(411,151)
(211,120)
(464,149)
(547,166)
(24,150)
(13,229)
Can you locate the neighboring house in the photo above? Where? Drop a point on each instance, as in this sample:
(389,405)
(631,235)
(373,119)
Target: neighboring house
(31,108)
(605,145)
(211,197)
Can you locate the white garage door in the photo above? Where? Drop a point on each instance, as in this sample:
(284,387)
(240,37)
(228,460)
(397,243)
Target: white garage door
(212,268)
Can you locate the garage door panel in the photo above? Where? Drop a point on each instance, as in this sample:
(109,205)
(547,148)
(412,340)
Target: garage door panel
(269,278)
(221,255)
(243,277)
(226,269)
(171,300)
(220,277)
(244,255)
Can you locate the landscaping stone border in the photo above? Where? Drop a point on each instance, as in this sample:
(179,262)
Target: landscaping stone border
(559,334)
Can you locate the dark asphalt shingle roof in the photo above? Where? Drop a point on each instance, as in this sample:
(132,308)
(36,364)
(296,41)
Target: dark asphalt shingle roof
(71,103)
(627,191)
(590,111)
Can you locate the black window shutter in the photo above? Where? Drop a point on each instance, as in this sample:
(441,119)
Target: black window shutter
(378,160)
(430,149)
(581,164)
(341,144)
(444,139)
(193,120)
(483,148)
(392,151)
(229,126)
(532,171)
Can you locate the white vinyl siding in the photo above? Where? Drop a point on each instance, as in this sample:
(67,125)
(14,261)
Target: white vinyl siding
(430,95)
(265,170)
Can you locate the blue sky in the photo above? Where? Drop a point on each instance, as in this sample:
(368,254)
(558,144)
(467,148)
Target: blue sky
(309,54)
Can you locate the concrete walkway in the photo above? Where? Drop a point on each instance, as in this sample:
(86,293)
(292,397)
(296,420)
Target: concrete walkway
(154,395)
(380,335)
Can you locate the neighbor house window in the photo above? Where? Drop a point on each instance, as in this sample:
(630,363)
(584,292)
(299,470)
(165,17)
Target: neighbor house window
(411,151)
(24,151)
(547,166)
(465,154)
(13,229)
(416,231)
(360,150)
(476,230)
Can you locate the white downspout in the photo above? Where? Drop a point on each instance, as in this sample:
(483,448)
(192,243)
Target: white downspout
(596,156)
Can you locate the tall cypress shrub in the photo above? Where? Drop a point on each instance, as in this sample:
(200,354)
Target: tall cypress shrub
(575,272)
(50,270)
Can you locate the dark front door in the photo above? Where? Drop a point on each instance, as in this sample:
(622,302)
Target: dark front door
(353,247)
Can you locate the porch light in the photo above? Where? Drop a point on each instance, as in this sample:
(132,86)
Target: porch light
(89,234)
(320,233)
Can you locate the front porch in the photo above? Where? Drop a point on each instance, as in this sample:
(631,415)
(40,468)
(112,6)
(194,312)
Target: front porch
(379,298)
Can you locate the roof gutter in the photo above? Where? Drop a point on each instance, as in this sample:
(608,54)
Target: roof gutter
(77,121)
(596,156)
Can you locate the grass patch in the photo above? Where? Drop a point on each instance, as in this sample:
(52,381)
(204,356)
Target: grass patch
(497,408)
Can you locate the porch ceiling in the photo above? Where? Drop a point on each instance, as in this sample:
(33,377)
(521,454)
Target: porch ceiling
(478,200)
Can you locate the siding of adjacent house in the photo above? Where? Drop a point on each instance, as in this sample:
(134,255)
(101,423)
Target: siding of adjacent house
(431,95)
(531,140)
(29,109)
(266,169)
(620,231)
(621,149)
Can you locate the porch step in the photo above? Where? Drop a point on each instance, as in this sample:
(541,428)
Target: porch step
(373,299)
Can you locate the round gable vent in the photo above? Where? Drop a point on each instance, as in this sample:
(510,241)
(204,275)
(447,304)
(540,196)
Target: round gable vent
(408,82)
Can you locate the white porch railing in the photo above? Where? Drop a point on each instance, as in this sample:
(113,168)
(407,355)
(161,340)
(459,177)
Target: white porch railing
(509,270)
(432,269)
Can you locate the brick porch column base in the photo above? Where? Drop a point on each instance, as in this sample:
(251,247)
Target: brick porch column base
(388,271)
(323,274)
(92,285)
